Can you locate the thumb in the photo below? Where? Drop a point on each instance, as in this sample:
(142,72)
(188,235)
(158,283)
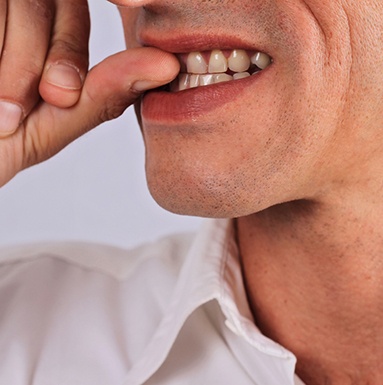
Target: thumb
(120,80)
(110,87)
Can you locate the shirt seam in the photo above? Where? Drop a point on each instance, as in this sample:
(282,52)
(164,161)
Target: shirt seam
(30,258)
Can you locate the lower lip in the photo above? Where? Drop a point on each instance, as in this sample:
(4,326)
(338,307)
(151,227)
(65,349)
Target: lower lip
(174,107)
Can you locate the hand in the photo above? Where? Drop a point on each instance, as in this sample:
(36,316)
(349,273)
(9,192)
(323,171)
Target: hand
(54,65)
(44,47)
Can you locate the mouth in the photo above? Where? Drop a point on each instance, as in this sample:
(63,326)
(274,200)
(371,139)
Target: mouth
(209,79)
(200,69)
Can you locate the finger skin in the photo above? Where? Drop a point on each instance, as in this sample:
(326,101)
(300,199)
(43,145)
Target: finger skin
(25,43)
(108,90)
(3,22)
(67,61)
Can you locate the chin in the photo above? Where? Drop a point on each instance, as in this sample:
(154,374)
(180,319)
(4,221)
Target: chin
(208,199)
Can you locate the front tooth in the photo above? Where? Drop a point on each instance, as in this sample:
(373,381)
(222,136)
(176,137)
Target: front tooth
(239,61)
(196,64)
(194,81)
(261,60)
(241,75)
(220,78)
(205,80)
(217,62)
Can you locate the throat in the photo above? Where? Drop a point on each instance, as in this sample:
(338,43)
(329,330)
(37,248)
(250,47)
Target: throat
(315,291)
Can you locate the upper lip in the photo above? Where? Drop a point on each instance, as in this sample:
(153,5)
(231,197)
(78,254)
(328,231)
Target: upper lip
(185,43)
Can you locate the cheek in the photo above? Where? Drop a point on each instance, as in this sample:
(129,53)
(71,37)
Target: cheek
(233,162)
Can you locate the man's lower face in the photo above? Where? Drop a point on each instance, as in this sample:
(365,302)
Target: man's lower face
(251,113)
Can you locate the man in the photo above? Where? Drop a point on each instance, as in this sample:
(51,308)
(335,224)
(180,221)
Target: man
(292,152)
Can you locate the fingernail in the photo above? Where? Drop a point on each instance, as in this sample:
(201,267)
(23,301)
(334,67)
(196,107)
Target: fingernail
(144,85)
(10,117)
(64,76)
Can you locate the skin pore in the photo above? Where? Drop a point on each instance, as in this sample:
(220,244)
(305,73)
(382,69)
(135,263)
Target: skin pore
(297,158)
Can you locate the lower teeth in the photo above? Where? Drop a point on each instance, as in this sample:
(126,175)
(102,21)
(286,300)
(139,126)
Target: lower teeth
(185,81)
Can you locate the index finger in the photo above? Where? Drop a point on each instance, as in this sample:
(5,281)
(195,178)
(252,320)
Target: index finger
(67,62)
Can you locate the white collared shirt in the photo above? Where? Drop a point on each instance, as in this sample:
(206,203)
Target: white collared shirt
(170,312)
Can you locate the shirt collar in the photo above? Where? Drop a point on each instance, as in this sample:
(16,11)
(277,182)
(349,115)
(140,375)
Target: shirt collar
(211,271)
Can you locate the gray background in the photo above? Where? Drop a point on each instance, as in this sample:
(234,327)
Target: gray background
(95,189)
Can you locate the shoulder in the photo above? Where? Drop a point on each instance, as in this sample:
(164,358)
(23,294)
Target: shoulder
(80,272)
(82,305)
(115,262)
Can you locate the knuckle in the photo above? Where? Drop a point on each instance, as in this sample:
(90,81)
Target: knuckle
(29,150)
(42,9)
(68,44)
(37,142)
(111,111)
(33,72)
(111,108)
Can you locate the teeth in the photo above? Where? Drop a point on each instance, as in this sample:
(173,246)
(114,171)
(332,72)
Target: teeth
(194,81)
(196,64)
(205,80)
(217,62)
(239,61)
(241,75)
(184,81)
(261,60)
(203,70)
(220,78)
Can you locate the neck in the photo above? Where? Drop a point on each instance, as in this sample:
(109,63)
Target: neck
(314,276)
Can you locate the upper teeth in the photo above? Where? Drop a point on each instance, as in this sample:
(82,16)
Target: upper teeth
(203,68)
